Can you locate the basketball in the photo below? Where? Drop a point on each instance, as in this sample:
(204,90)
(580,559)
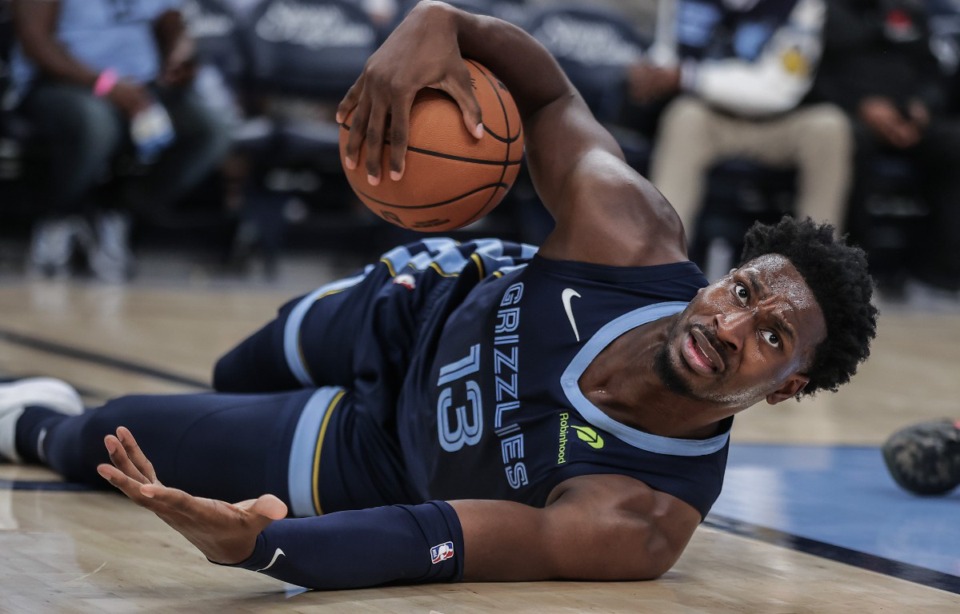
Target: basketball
(451,178)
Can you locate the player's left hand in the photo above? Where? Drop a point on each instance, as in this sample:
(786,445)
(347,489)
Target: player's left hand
(225,533)
(421,52)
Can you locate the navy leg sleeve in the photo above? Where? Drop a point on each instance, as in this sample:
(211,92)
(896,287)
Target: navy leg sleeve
(310,343)
(230,447)
(257,363)
(397,544)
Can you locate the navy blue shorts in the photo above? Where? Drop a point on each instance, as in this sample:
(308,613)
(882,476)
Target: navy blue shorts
(353,340)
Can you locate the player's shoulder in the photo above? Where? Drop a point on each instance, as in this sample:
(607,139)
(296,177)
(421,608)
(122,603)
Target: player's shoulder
(614,215)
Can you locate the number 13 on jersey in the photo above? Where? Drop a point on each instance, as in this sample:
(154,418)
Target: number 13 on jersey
(460,425)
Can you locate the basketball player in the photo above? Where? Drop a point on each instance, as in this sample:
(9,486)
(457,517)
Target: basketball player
(480,411)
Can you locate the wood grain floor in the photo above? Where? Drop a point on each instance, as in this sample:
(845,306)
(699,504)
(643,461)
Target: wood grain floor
(68,551)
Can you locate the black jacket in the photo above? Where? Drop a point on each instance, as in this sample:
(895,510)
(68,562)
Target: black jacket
(879,48)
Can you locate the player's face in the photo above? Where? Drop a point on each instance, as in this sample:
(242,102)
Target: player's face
(746,337)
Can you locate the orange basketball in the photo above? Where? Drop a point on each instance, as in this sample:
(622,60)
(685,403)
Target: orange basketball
(450,178)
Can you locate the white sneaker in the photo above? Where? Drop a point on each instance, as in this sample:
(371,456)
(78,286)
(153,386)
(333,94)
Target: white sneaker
(109,254)
(52,245)
(16,396)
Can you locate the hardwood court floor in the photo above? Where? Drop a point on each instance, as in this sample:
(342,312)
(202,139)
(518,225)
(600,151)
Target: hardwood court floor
(65,550)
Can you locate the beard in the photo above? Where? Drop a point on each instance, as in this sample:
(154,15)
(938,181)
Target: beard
(668,372)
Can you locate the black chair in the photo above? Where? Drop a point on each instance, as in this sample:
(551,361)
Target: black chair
(887,210)
(215,28)
(886,216)
(738,193)
(309,50)
(21,150)
(514,11)
(303,57)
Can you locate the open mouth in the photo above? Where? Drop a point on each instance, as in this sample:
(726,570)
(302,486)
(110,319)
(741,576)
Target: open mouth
(701,355)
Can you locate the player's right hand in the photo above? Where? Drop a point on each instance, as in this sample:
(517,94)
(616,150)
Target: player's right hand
(225,533)
(421,52)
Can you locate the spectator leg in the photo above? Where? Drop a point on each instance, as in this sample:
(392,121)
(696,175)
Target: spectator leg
(685,148)
(824,142)
(201,144)
(83,132)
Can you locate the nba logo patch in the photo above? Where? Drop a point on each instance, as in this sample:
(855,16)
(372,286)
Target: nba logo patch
(441,552)
(406,280)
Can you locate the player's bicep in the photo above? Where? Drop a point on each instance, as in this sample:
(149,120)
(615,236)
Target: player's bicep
(601,528)
(605,211)
(557,137)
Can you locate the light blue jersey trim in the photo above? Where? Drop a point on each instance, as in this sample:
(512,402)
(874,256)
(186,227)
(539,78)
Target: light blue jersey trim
(304,447)
(592,414)
(291,328)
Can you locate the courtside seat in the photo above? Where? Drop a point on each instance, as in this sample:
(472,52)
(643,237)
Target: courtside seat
(303,57)
(514,11)
(21,151)
(886,216)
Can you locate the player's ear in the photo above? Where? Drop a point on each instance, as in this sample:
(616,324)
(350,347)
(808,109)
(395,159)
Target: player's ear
(790,389)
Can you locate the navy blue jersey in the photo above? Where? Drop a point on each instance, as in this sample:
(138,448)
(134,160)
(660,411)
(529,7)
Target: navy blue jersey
(454,370)
(491,407)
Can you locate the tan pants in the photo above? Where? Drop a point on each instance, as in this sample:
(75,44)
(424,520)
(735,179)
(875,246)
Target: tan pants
(816,139)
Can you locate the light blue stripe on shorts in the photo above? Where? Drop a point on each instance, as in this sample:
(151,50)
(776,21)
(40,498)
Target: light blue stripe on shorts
(291,328)
(303,452)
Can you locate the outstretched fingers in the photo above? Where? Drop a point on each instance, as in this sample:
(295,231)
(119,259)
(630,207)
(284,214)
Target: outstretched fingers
(124,483)
(131,470)
(135,454)
(121,459)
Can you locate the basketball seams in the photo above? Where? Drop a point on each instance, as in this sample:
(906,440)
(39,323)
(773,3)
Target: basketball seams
(498,185)
(503,171)
(437,154)
(506,116)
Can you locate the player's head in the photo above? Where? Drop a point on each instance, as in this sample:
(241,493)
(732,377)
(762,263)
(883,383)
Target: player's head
(838,276)
(793,318)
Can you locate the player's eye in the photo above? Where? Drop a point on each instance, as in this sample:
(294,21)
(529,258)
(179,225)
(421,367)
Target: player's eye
(772,338)
(741,293)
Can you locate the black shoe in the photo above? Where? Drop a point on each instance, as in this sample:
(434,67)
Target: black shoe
(924,458)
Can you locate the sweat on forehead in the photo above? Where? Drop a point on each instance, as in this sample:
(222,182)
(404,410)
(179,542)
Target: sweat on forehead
(777,274)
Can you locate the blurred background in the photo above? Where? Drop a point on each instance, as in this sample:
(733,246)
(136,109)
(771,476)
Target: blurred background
(196,137)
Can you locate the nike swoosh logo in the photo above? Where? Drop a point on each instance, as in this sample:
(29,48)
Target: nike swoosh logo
(276,555)
(566,296)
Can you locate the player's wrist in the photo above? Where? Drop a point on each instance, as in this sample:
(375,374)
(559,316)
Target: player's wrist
(258,559)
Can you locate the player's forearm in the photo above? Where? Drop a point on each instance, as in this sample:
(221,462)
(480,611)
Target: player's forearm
(527,69)
(354,549)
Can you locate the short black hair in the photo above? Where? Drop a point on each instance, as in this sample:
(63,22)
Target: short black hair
(837,274)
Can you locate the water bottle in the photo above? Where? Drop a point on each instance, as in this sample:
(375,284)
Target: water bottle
(151,132)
